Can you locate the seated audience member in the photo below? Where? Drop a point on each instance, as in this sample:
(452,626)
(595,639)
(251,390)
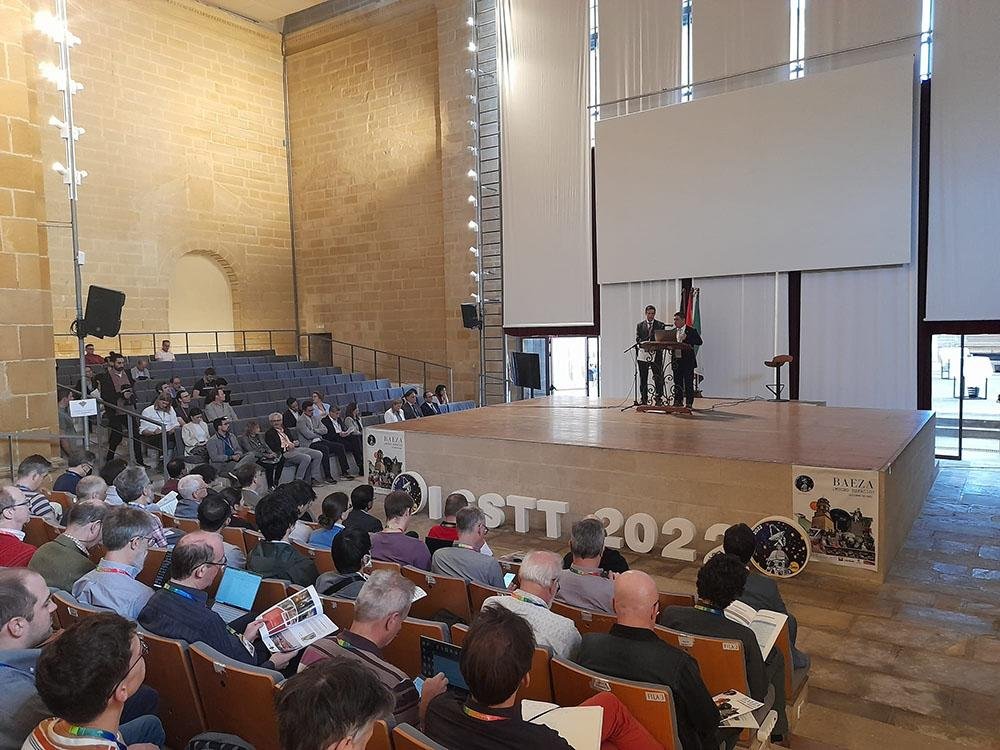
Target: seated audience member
(464,558)
(62,561)
(91,357)
(224,450)
(275,557)
(141,370)
(633,651)
(720,581)
(379,612)
(31,472)
(26,609)
(332,706)
(347,437)
(360,517)
(290,417)
(151,433)
(411,410)
(352,423)
(126,535)
(216,407)
(80,464)
(249,480)
(210,474)
(446,532)
(612,560)
(538,581)
(195,435)
(392,543)
(441,395)
(180,609)
(213,515)
(133,487)
(164,354)
(429,407)
(395,412)
(321,409)
(208,382)
(314,434)
(584,584)
(175,470)
(109,473)
(191,490)
(234,498)
(85,677)
(496,658)
(174,387)
(305,460)
(330,520)
(761,592)
(302,496)
(183,407)
(350,551)
(14,551)
(252,442)
(92,488)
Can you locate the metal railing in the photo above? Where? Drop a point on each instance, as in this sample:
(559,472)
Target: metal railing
(374,363)
(281,340)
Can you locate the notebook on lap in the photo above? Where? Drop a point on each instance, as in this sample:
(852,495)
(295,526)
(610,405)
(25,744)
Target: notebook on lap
(236,594)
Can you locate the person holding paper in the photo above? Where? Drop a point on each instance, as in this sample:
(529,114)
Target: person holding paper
(720,581)
(180,609)
(496,659)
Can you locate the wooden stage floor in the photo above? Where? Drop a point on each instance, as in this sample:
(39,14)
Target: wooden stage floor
(789,432)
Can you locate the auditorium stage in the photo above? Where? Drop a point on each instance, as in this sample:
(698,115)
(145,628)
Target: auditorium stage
(674,477)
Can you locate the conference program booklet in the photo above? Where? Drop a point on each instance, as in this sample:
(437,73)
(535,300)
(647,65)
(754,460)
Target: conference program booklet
(580,726)
(764,623)
(736,709)
(295,622)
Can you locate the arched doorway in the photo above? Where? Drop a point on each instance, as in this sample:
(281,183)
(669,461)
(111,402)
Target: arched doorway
(201,299)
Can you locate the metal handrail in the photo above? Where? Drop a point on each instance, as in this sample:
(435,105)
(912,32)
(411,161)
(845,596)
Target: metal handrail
(11,437)
(156,337)
(375,353)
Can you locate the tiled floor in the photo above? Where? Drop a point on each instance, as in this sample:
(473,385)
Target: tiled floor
(909,665)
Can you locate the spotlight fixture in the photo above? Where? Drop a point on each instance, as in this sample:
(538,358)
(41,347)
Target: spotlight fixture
(474,251)
(472,174)
(474,276)
(471,47)
(472,199)
(472,98)
(470,21)
(473,226)
(472,124)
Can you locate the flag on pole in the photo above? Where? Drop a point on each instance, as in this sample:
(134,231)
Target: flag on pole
(692,316)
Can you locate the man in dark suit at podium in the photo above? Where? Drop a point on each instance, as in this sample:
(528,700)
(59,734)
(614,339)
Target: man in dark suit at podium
(645,331)
(683,362)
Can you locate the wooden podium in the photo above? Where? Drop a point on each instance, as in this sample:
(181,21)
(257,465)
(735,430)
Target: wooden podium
(660,346)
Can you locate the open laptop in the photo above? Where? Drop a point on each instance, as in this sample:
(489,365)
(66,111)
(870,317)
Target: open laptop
(236,594)
(438,656)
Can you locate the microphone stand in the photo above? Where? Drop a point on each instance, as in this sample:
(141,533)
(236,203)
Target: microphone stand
(635,376)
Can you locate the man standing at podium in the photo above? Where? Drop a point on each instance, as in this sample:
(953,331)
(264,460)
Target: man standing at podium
(683,362)
(645,332)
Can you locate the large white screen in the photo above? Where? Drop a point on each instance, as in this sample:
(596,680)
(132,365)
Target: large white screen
(799,175)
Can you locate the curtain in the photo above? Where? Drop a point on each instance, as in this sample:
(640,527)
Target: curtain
(545,148)
(963,245)
(733,36)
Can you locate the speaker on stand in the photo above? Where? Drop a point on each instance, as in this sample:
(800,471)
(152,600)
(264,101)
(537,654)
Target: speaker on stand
(104,313)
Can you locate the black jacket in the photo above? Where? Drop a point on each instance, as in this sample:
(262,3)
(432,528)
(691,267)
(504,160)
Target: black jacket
(279,560)
(692,337)
(644,332)
(110,395)
(409,411)
(289,419)
(429,410)
(272,441)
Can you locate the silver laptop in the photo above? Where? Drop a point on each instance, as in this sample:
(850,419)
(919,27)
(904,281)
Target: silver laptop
(236,594)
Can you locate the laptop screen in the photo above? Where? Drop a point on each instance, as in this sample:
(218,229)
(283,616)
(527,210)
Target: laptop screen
(238,588)
(438,656)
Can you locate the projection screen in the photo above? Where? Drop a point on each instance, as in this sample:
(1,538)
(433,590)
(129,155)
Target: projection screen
(798,175)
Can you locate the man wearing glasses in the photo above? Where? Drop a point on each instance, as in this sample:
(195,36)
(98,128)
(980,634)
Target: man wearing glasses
(126,534)
(14,514)
(464,558)
(180,609)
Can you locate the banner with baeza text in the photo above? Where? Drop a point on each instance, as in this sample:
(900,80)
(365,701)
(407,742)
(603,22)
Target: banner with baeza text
(838,510)
(385,457)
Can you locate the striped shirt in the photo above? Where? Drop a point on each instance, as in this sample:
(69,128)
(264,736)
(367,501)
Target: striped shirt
(52,734)
(40,505)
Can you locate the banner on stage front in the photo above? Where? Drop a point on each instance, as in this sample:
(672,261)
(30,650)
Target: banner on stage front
(838,509)
(385,457)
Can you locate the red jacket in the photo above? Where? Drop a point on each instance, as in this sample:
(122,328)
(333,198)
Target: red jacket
(13,552)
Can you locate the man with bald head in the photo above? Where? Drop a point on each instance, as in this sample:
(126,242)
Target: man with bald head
(180,609)
(633,651)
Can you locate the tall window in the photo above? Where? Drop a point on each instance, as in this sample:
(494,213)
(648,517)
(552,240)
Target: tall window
(796,39)
(926,39)
(595,82)
(686,66)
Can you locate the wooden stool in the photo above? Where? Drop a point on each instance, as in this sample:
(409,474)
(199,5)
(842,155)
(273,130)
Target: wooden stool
(776,388)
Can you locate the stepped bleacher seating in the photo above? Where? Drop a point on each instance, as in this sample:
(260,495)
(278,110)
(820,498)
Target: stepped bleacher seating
(261,380)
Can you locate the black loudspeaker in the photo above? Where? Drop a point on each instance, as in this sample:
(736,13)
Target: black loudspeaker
(104,312)
(527,370)
(470,316)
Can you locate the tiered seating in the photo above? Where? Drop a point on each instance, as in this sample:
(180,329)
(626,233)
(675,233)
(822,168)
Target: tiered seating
(262,380)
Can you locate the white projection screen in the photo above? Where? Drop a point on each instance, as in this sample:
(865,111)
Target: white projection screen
(799,175)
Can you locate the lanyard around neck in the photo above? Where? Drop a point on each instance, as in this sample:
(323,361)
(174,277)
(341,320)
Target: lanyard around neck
(180,592)
(580,572)
(711,610)
(97,733)
(473,713)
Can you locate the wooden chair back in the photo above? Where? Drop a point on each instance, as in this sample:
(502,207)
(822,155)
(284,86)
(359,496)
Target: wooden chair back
(478,593)
(540,686)
(154,559)
(251,539)
(668,599)
(443,592)
(187,525)
(96,553)
(321,557)
(168,521)
(52,530)
(510,567)
(380,740)
(784,644)
(720,661)
(340,611)
(236,698)
(406,737)
(386,565)
(271,591)
(585,620)
(35,532)
(651,705)
(404,650)
(63,499)
(69,610)
(168,671)
(234,536)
